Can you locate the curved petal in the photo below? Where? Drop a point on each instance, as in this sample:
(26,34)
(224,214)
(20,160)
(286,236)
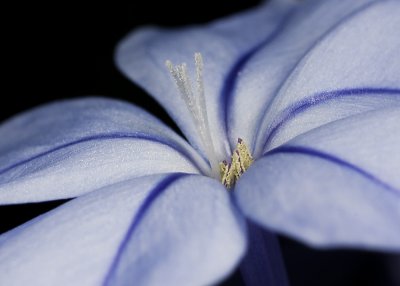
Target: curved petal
(326,107)
(154,230)
(69,148)
(194,229)
(359,54)
(268,66)
(336,185)
(141,56)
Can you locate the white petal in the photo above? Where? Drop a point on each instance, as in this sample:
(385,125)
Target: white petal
(336,185)
(360,54)
(69,148)
(155,230)
(141,56)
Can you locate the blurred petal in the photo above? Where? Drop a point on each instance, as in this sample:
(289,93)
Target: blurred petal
(189,235)
(163,230)
(359,54)
(337,185)
(66,149)
(141,56)
(266,67)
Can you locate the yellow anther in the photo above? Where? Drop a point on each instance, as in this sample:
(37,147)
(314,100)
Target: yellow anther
(241,160)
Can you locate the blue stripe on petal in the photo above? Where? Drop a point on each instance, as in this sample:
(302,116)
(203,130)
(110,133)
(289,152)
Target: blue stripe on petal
(98,137)
(230,81)
(154,194)
(338,161)
(260,122)
(303,105)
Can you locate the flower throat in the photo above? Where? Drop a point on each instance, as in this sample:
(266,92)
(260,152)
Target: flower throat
(241,159)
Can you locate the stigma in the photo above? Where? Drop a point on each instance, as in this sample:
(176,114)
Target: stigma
(195,101)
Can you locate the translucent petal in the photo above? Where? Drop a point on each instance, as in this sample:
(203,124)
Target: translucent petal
(162,229)
(358,55)
(69,148)
(336,185)
(142,55)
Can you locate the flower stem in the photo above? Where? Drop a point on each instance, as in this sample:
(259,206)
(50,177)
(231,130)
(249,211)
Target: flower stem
(263,263)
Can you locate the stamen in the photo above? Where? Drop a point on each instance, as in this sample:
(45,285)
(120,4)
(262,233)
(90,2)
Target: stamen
(196,104)
(240,161)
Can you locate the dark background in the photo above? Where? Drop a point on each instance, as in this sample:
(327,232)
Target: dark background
(56,51)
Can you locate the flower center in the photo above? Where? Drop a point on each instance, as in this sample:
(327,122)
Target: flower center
(241,160)
(195,101)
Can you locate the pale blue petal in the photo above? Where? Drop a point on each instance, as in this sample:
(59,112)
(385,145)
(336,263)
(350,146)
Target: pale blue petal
(263,69)
(75,243)
(163,230)
(142,55)
(69,148)
(325,107)
(337,185)
(187,235)
(354,68)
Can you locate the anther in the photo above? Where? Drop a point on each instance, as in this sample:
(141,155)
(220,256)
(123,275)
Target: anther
(240,161)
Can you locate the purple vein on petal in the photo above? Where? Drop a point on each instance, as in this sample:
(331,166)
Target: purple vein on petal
(320,98)
(159,189)
(300,150)
(346,18)
(101,137)
(230,81)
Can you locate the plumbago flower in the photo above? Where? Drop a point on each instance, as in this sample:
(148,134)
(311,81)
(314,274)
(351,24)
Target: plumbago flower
(312,90)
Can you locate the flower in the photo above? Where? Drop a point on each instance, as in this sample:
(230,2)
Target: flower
(311,87)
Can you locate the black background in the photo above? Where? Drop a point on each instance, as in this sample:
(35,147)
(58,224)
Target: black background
(65,50)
